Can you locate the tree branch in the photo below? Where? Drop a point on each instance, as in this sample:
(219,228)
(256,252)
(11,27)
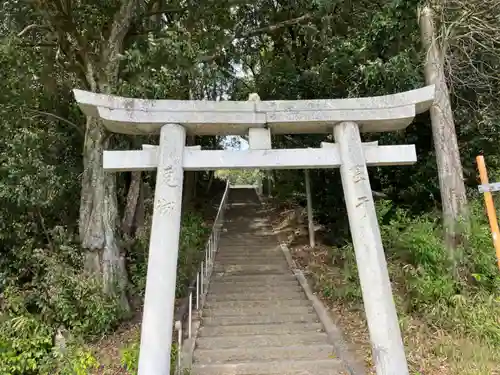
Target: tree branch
(259,31)
(53,115)
(276,26)
(121,24)
(165,11)
(70,43)
(29,28)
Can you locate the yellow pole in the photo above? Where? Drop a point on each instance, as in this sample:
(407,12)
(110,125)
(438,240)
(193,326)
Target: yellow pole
(490,207)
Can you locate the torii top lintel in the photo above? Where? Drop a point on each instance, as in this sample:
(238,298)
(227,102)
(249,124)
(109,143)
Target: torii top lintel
(200,117)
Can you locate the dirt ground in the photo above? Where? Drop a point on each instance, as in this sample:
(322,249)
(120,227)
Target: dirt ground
(430,351)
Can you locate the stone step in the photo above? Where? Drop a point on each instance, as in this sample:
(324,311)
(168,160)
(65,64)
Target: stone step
(220,288)
(286,353)
(260,266)
(238,230)
(321,367)
(248,271)
(249,255)
(271,318)
(248,244)
(222,311)
(271,258)
(236,258)
(252,262)
(250,241)
(236,305)
(253,278)
(245,258)
(249,248)
(225,278)
(241,245)
(260,329)
(246,255)
(265,234)
(259,341)
(245,296)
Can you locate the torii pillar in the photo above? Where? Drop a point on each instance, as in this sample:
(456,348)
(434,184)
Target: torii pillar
(173,119)
(156,332)
(380,310)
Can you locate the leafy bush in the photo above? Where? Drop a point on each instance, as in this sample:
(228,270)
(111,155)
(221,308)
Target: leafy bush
(240,176)
(25,345)
(422,276)
(75,360)
(57,294)
(468,303)
(130,357)
(192,240)
(63,295)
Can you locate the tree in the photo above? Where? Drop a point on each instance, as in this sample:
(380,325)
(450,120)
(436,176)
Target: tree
(451,181)
(140,48)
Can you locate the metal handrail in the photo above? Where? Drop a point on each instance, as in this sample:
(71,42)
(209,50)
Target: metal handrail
(198,288)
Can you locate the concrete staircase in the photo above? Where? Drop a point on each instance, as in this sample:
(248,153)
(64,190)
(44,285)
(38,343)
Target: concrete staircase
(256,319)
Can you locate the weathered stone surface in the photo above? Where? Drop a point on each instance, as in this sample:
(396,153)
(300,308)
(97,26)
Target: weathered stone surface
(259,139)
(258,323)
(260,329)
(380,310)
(158,314)
(286,353)
(139,116)
(314,367)
(300,158)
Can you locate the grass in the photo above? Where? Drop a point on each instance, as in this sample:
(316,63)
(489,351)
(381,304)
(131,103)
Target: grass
(450,324)
(119,353)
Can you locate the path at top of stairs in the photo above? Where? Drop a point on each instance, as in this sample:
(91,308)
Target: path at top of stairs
(256,319)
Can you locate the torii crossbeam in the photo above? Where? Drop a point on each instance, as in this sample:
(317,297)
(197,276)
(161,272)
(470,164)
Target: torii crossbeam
(346,118)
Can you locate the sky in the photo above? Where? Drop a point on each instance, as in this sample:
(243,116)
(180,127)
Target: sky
(232,142)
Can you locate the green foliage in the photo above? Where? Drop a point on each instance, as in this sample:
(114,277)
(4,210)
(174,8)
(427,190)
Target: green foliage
(25,345)
(344,285)
(130,357)
(63,295)
(76,360)
(192,240)
(423,282)
(240,176)
(58,295)
(192,250)
(137,264)
(199,52)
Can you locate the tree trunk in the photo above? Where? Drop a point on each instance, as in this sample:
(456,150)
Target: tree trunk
(140,212)
(134,192)
(99,219)
(211,176)
(451,181)
(189,179)
(99,215)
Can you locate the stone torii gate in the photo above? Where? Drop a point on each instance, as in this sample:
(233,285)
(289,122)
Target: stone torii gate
(346,118)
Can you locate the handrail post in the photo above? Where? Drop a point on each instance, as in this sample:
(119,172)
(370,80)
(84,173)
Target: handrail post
(190,313)
(201,289)
(179,349)
(203,275)
(198,291)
